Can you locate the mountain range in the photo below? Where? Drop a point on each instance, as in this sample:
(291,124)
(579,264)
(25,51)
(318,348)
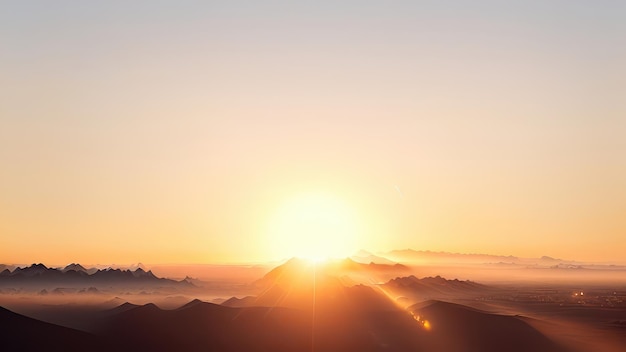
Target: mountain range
(38,276)
(412,289)
(422,257)
(301,306)
(201,326)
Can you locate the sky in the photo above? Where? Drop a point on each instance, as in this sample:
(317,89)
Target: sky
(199,132)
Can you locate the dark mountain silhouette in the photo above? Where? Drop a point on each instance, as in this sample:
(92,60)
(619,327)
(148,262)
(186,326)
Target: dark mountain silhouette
(38,276)
(247,301)
(459,328)
(20,333)
(75,267)
(33,270)
(412,289)
(200,326)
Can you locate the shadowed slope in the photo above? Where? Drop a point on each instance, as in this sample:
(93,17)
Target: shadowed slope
(201,326)
(459,328)
(20,333)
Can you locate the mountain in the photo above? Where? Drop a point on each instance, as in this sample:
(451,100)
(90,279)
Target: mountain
(75,267)
(75,276)
(347,270)
(248,301)
(33,270)
(459,328)
(412,289)
(304,285)
(304,306)
(431,326)
(366,257)
(4,267)
(134,267)
(411,256)
(200,326)
(20,333)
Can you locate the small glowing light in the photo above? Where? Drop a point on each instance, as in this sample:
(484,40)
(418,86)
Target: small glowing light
(423,322)
(581,293)
(427,325)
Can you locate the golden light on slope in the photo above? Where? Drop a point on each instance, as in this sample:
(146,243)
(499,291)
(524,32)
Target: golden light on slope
(313,226)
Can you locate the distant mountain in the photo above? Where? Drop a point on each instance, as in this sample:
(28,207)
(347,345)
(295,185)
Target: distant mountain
(411,289)
(366,257)
(4,267)
(78,267)
(134,267)
(411,256)
(75,276)
(33,270)
(418,257)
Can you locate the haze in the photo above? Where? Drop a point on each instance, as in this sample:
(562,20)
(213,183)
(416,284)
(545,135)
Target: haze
(178,132)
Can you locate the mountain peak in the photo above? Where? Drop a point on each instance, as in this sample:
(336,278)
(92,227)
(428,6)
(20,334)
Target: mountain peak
(75,267)
(192,303)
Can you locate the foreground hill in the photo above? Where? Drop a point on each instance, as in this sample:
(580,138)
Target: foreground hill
(459,328)
(201,326)
(20,333)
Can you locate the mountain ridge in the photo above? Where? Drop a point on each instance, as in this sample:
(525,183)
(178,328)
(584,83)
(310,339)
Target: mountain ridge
(75,275)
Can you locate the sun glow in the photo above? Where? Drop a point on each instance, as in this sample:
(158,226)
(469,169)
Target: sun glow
(315,227)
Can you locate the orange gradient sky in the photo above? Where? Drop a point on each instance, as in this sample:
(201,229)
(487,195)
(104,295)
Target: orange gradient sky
(197,132)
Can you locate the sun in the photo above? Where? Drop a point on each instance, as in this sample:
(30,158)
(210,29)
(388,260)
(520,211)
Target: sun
(313,226)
